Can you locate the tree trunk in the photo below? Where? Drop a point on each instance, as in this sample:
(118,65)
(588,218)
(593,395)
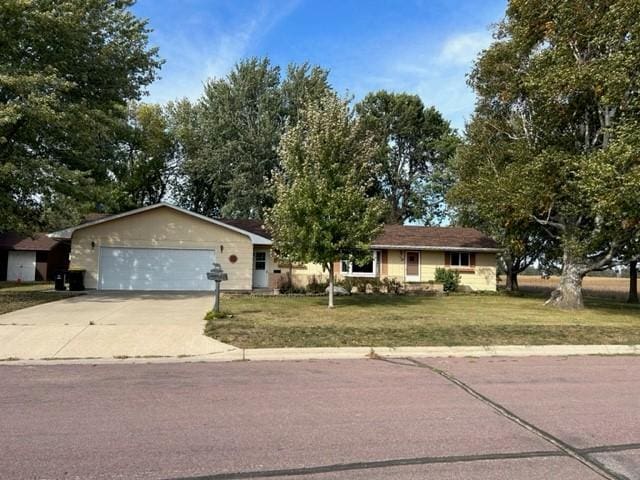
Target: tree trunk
(633,282)
(330,284)
(512,279)
(569,292)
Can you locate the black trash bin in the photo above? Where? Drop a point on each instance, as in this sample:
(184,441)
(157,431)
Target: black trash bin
(76,280)
(59,281)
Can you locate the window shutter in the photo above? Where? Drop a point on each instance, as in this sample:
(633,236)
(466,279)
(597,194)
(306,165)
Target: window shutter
(447,259)
(472,260)
(384,262)
(336,268)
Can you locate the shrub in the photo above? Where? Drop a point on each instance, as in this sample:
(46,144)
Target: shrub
(346,283)
(375,285)
(450,279)
(211,315)
(392,285)
(315,286)
(360,284)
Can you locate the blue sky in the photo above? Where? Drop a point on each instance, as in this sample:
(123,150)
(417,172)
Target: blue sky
(418,46)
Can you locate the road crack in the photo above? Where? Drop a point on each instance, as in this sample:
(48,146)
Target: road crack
(579,455)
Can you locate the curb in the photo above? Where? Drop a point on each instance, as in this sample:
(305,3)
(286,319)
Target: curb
(349,353)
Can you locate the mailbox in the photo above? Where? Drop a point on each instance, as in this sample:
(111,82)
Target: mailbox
(217,275)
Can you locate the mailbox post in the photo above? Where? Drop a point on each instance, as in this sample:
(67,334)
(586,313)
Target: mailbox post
(217,275)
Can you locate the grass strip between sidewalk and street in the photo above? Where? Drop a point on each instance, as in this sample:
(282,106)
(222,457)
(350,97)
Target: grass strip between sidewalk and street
(382,320)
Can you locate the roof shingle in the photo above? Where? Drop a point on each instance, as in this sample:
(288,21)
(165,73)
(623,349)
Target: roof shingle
(252,226)
(418,236)
(39,242)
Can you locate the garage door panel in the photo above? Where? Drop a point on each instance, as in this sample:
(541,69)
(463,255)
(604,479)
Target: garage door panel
(155,269)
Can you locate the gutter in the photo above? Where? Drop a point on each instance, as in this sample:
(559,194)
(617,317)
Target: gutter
(437,249)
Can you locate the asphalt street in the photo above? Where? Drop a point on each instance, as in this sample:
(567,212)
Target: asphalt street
(493,418)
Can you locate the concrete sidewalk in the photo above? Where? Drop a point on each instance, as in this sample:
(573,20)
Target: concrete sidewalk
(228,353)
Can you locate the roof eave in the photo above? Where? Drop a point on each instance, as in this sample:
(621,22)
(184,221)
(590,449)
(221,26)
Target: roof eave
(68,232)
(436,249)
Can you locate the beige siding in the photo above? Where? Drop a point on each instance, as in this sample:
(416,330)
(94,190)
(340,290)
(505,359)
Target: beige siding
(164,228)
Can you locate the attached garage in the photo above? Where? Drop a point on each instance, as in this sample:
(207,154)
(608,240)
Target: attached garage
(155,269)
(162,247)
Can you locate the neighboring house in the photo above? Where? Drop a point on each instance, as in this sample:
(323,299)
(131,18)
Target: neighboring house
(163,247)
(28,259)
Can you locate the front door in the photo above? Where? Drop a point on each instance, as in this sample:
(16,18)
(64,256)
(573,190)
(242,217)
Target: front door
(260,277)
(413,266)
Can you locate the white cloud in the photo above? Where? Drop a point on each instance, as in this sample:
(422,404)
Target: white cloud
(463,48)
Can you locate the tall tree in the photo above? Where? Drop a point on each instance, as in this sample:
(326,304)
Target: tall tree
(416,146)
(566,74)
(67,70)
(322,213)
(482,195)
(147,158)
(233,141)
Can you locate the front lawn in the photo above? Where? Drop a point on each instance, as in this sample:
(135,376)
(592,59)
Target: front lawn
(16,296)
(381,320)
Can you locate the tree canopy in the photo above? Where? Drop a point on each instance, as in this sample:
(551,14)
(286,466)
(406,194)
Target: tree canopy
(231,135)
(416,148)
(322,212)
(67,71)
(559,87)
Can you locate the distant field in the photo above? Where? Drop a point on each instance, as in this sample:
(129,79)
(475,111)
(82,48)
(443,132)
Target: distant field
(605,287)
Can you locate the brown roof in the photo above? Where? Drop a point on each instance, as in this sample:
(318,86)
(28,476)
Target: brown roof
(417,236)
(400,235)
(252,226)
(38,242)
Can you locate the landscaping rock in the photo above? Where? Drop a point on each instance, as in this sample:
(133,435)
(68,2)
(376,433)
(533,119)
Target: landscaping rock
(337,290)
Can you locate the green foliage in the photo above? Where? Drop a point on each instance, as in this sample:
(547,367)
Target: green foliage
(67,71)
(392,285)
(346,283)
(229,138)
(317,286)
(416,144)
(558,107)
(322,212)
(146,163)
(212,315)
(450,279)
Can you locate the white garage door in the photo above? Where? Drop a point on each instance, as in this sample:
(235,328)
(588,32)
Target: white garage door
(21,266)
(155,269)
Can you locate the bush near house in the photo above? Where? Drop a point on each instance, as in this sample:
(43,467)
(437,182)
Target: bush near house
(450,279)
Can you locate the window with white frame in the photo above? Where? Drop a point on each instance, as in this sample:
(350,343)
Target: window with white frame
(369,269)
(460,259)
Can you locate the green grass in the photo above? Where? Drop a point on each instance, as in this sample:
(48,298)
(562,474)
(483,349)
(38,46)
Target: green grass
(16,296)
(381,320)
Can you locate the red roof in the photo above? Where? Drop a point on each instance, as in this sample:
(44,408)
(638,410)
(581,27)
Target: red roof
(38,242)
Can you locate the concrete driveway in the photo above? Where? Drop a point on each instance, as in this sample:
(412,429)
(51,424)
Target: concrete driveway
(100,325)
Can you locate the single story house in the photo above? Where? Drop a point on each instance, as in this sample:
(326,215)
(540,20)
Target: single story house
(29,259)
(164,247)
